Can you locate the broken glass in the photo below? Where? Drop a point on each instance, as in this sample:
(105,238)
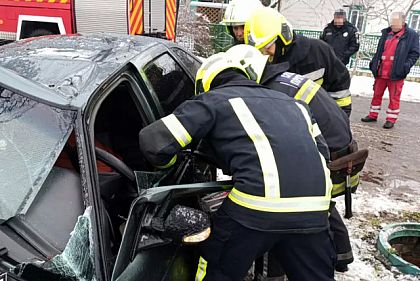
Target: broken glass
(32,135)
(77,259)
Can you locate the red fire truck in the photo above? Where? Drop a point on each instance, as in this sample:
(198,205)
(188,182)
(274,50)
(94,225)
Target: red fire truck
(28,18)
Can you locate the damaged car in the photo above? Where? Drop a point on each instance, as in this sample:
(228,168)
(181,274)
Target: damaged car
(78,200)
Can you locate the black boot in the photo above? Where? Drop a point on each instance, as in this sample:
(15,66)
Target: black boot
(341,268)
(368,119)
(388,125)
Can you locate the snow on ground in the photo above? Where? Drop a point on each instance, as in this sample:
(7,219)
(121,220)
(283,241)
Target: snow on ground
(371,213)
(363,86)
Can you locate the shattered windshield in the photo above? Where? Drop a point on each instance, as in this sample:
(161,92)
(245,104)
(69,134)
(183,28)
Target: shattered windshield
(32,135)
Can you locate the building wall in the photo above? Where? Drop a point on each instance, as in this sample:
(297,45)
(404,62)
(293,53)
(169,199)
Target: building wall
(314,15)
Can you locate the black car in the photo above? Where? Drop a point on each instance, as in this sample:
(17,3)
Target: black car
(78,200)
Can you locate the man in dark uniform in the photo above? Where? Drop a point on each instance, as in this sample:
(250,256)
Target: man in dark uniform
(281,191)
(269,31)
(342,36)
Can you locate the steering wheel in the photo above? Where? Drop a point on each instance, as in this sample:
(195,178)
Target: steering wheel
(115,163)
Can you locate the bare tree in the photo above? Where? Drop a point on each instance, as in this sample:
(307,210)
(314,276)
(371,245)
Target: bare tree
(193,31)
(384,8)
(411,5)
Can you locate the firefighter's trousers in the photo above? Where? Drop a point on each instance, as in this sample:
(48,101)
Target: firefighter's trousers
(341,238)
(269,265)
(394,89)
(231,249)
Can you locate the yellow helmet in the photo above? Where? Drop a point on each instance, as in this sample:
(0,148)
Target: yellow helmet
(238,11)
(211,67)
(250,58)
(202,70)
(263,27)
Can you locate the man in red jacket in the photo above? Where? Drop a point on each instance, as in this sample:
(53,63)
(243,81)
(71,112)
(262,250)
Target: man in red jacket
(398,51)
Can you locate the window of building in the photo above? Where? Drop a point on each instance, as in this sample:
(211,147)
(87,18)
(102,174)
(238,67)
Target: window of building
(357,17)
(414,21)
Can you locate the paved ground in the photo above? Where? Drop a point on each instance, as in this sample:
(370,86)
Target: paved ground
(389,191)
(394,159)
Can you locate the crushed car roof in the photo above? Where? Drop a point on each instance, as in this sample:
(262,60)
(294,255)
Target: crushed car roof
(66,70)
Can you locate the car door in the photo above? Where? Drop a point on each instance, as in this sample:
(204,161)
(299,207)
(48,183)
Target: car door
(145,253)
(111,121)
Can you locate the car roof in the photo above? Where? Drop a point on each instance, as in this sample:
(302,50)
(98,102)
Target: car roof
(66,70)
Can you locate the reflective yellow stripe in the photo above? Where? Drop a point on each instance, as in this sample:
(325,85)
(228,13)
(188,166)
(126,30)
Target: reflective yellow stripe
(307,118)
(344,101)
(201,270)
(319,81)
(341,187)
(262,145)
(316,130)
(307,92)
(340,94)
(315,75)
(177,130)
(280,205)
(173,160)
(345,256)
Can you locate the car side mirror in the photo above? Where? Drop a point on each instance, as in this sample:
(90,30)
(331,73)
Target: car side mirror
(187,225)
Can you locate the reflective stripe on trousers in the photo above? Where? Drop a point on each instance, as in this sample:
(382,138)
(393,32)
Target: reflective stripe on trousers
(201,270)
(345,256)
(343,102)
(342,98)
(341,187)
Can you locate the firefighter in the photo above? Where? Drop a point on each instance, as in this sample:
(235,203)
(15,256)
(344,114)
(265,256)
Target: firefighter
(282,189)
(342,36)
(332,121)
(269,31)
(236,14)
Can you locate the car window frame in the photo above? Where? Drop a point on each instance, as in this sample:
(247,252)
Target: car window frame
(149,85)
(158,52)
(87,121)
(191,75)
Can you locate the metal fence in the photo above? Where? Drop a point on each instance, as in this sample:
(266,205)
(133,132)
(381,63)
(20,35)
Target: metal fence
(368,45)
(220,40)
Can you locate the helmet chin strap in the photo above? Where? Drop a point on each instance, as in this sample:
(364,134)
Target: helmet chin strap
(281,51)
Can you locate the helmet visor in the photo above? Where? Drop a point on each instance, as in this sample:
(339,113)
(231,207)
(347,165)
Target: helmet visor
(286,34)
(199,88)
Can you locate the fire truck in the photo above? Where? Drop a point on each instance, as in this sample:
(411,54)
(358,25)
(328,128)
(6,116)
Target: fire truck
(21,19)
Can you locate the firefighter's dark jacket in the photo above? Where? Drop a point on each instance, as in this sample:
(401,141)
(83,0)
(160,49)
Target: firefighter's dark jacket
(266,141)
(316,60)
(406,54)
(344,40)
(332,121)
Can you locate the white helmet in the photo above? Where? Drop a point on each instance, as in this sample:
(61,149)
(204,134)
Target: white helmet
(238,11)
(211,67)
(252,60)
